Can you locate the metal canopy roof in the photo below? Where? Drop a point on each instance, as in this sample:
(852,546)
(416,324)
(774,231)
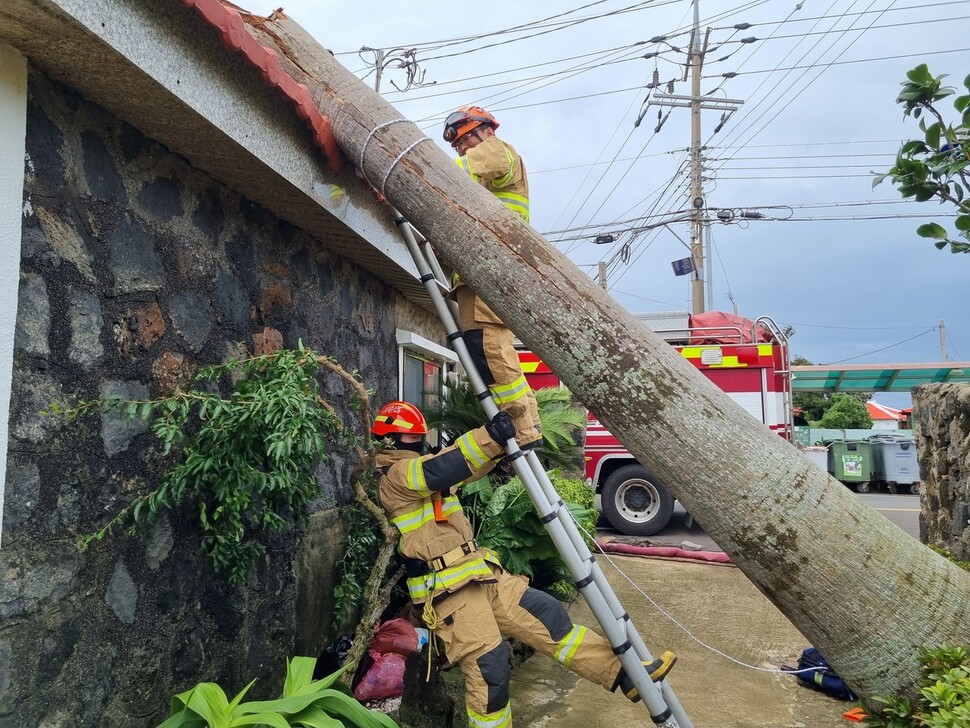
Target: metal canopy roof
(876,377)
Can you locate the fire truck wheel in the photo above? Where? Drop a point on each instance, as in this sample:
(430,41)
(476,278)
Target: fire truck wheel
(636,502)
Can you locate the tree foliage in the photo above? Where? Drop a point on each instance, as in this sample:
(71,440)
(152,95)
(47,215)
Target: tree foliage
(814,405)
(846,412)
(935,167)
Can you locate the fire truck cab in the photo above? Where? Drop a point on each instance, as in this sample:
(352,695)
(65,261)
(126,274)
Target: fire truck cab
(747,359)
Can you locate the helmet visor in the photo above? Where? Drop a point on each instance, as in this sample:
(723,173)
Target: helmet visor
(452,123)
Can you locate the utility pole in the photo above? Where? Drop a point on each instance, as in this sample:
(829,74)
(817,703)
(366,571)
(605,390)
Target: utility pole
(602,275)
(697,103)
(696,165)
(943,355)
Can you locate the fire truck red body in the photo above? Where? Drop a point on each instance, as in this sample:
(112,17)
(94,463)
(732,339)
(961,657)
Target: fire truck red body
(747,360)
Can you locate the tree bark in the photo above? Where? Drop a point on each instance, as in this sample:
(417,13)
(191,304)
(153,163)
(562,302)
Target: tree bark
(864,593)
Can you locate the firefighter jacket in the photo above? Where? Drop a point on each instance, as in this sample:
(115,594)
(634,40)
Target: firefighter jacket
(496,166)
(440,555)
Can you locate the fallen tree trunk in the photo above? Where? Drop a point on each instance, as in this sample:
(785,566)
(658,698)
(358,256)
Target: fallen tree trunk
(859,589)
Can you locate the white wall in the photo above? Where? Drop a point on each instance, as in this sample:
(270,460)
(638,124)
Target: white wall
(13,130)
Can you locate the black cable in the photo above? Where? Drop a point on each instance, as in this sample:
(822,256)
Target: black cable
(907,24)
(922,54)
(876,351)
(922,8)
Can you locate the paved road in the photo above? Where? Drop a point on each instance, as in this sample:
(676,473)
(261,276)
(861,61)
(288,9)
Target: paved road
(903,510)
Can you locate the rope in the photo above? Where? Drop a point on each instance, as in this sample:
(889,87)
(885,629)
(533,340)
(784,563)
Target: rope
(430,619)
(408,148)
(681,626)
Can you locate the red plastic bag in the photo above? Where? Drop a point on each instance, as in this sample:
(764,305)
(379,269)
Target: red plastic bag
(384,679)
(395,635)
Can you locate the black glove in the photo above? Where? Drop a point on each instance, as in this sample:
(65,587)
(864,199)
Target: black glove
(501,428)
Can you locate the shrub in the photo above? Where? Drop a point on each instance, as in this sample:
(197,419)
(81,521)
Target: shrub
(944,700)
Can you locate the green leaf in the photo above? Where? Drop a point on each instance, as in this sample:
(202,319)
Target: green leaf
(263,719)
(210,702)
(931,230)
(313,717)
(299,675)
(183,718)
(238,699)
(940,245)
(963,223)
(933,135)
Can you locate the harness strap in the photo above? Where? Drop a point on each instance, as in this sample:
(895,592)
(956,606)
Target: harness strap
(440,563)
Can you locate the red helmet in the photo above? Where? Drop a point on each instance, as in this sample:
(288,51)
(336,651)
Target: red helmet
(401,418)
(466,119)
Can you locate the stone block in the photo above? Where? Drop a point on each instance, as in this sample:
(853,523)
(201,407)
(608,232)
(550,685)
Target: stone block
(162,197)
(122,594)
(191,316)
(33,393)
(149,325)
(4,667)
(33,316)
(231,301)
(21,493)
(86,323)
(134,261)
(158,542)
(65,242)
(101,171)
(116,431)
(276,268)
(267,341)
(41,576)
(275,295)
(172,372)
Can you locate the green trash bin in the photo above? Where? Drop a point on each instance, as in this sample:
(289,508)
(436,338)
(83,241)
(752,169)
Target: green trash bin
(851,462)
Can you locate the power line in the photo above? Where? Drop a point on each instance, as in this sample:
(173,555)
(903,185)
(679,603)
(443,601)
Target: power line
(563,26)
(922,7)
(876,351)
(853,328)
(922,54)
(644,298)
(907,24)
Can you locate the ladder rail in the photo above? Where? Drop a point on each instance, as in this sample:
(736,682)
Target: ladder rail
(659,699)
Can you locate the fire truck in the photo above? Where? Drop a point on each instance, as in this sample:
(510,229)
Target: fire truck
(746,359)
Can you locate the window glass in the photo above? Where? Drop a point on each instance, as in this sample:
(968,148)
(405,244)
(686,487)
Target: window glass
(422,385)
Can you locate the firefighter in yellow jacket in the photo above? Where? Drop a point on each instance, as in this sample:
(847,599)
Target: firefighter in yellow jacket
(467,600)
(495,165)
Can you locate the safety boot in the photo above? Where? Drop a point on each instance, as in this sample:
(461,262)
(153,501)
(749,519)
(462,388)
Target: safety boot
(657,668)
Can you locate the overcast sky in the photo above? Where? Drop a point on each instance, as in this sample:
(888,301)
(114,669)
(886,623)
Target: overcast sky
(819,115)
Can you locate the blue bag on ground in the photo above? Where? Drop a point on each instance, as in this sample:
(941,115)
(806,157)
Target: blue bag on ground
(819,675)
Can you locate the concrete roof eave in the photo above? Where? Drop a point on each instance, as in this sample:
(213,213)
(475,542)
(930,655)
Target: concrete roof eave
(159,67)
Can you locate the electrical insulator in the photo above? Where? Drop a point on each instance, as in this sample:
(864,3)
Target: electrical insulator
(656,77)
(670,87)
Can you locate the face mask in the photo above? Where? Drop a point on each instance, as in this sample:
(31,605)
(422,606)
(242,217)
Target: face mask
(420,447)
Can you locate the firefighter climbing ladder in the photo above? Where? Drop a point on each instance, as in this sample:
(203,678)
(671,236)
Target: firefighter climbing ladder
(659,698)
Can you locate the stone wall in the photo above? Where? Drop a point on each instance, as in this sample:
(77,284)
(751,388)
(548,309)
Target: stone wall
(137,268)
(941,415)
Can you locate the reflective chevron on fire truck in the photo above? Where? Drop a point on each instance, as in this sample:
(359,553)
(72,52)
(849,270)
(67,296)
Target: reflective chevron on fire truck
(755,375)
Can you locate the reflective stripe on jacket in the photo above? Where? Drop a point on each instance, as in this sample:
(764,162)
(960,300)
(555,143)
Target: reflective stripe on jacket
(496,166)
(406,490)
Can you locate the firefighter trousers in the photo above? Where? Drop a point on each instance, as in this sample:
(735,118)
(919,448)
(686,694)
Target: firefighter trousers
(490,343)
(473,621)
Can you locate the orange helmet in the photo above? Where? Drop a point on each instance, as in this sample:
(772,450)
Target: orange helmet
(466,119)
(399,418)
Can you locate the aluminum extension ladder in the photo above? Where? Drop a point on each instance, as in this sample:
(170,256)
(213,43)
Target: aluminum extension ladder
(659,699)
